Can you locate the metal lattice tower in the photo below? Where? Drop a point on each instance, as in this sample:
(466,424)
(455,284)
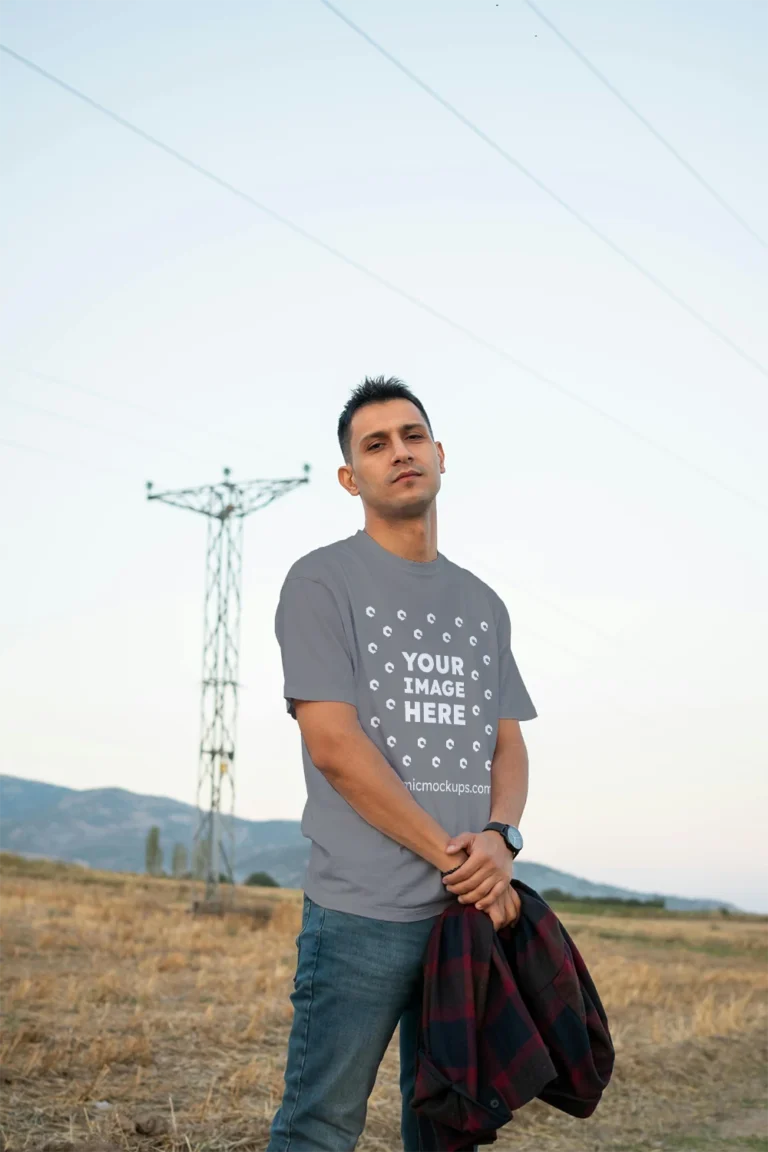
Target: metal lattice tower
(226,505)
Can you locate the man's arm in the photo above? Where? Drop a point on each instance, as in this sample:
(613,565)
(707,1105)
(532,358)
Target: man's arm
(485,878)
(509,774)
(353,765)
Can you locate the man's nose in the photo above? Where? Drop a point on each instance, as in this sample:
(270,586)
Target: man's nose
(401,450)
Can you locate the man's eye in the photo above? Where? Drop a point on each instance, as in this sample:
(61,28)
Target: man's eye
(415,435)
(372,446)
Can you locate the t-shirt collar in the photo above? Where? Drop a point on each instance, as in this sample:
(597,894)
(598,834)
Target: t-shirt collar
(422,568)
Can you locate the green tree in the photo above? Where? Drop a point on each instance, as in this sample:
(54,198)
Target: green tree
(179,861)
(153,852)
(200,859)
(262,880)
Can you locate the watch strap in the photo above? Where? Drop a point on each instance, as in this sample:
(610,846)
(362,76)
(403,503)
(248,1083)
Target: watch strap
(497,826)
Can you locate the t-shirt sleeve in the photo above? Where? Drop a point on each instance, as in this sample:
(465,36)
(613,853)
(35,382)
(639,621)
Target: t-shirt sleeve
(514,701)
(317,663)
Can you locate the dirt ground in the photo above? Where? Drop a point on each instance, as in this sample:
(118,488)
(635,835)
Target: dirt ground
(127,1023)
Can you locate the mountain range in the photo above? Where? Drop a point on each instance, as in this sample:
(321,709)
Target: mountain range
(106,828)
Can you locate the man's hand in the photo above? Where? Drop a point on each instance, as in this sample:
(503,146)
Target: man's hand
(485,876)
(504,910)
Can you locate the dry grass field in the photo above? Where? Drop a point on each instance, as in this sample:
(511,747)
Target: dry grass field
(127,1023)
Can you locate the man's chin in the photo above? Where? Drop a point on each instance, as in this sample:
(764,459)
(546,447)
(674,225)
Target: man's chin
(408,509)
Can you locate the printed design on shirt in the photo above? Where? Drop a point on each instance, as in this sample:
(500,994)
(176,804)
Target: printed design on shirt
(438,687)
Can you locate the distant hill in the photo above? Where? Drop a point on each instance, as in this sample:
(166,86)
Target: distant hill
(106,828)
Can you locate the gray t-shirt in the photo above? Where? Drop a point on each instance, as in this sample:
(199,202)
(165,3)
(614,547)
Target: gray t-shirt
(422,650)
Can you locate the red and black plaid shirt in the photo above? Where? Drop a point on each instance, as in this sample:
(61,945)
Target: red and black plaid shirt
(506,1017)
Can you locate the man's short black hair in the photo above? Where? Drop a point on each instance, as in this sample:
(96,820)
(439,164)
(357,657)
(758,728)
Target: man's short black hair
(373,390)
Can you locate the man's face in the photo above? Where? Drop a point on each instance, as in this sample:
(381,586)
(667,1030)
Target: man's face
(395,464)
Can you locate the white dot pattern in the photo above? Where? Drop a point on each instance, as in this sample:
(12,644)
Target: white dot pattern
(437,670)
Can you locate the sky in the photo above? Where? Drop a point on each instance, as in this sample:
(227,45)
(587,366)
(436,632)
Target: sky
(157,327)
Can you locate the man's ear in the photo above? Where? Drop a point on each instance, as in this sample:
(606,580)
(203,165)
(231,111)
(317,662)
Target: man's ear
(440,455)
(347,480)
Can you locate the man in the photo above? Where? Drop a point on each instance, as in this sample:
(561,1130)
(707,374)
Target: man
(399,672)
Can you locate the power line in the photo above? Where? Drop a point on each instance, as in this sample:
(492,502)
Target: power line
(138,407)
(92,427)
(19,446)
(518,587)
(646,123)
(382,281)
(574,212)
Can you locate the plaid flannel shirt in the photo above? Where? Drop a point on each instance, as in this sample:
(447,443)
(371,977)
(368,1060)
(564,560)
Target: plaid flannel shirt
(506,1017)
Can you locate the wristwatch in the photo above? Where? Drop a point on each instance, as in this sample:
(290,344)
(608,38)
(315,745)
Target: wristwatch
(512,837)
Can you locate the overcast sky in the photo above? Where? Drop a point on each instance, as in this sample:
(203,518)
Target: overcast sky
(214,336)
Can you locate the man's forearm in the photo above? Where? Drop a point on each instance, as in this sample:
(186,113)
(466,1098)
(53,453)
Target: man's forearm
(509,782)
(369,784)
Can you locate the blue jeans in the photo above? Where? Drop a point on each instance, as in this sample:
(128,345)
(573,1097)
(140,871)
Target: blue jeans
(356,978)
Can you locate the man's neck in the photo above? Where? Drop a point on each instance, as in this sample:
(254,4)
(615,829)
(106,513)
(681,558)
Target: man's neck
(411,539)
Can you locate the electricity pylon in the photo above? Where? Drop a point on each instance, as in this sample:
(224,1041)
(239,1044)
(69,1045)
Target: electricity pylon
(226,505)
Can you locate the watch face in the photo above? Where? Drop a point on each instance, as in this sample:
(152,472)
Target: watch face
(514,838)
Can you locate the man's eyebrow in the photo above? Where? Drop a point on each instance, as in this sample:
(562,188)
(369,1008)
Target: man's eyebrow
(383,435)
